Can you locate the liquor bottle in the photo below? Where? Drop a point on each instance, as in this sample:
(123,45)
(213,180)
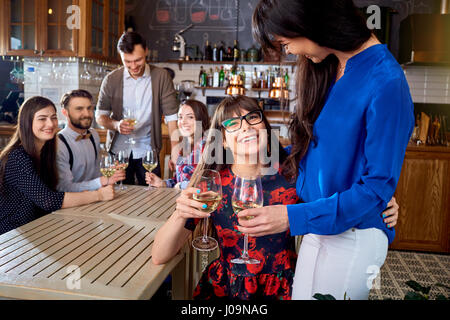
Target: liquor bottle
(242,74)
(221,77)
(204,79)
(229,54)
(226,80)
(255,79)
(208,51)
(286,79)
(267,78)
(236,51)
(222,53)
(263,80)
(216,78)
(210,77)
(215,53)
(200,76)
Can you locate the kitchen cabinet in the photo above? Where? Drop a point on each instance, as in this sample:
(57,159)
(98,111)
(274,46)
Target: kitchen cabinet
(81,28)
(423,193)
(102,24)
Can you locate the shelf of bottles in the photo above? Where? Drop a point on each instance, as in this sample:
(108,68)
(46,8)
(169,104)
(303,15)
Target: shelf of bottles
(261,81)
(218,55)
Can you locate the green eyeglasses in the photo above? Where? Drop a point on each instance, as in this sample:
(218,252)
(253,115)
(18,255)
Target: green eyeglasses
(234,124)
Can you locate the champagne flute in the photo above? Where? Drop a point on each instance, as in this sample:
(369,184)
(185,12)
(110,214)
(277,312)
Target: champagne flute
(247,194)
(210,195)
(107,165)
(122,161)
(150,162)
(130,117)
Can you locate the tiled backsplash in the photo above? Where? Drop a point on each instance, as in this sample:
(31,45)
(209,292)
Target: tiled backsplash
(429,84)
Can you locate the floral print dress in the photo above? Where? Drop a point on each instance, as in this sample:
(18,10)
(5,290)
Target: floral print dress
(269,280)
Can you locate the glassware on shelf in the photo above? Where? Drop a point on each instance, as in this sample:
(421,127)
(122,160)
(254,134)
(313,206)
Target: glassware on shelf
(187,88)
(86,76)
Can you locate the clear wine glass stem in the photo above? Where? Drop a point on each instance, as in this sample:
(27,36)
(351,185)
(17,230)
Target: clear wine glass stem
(205,229)
(245,251)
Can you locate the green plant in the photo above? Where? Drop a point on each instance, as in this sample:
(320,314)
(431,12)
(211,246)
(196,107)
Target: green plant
(420,293)
(423,293)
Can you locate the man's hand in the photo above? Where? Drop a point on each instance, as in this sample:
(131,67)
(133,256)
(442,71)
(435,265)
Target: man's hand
(124,127)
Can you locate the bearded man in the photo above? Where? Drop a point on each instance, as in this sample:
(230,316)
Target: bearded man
(78,152)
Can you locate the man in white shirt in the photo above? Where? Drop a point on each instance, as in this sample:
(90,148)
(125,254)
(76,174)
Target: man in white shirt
(146,90)
(78,151)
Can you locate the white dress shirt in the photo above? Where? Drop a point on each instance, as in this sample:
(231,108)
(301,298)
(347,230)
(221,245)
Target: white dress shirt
(137,94)
(85,174)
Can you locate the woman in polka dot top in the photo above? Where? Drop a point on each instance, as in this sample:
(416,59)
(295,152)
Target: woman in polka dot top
(28,175)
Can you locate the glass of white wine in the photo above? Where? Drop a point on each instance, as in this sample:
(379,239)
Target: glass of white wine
(122,161)
(210,186)
(107,165)
(150,162)
(131,118)
(247,194)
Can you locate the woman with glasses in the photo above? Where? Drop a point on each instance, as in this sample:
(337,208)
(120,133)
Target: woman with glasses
(246,133)
(352,124)
(193,122)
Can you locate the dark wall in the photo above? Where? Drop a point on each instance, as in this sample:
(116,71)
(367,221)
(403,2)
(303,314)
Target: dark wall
(160,20)
(215,20)
(5,84)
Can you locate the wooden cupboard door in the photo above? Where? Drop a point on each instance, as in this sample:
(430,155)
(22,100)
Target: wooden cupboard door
(22,36)
(423,196)
(60,30)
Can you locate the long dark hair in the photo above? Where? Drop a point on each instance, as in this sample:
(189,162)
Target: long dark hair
(334,24)
(45,162)
(200,113)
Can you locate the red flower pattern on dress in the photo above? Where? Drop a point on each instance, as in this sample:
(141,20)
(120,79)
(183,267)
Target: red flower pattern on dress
(273,277)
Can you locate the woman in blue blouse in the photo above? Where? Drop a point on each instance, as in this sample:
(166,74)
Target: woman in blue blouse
(28,174)
(353,120)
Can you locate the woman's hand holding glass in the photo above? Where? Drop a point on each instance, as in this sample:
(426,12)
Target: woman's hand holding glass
(210,196)
(188,208)
(266,221)
(153,180)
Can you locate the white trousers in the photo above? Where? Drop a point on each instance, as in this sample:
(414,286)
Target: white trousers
(340,265)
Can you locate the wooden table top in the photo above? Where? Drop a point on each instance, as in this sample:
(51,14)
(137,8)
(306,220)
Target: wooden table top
(135,203)
(89,254)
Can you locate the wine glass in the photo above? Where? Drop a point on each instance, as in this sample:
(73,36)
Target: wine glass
(247,194)
(210,186)
(122,161)
(130,117)
(187,88)
(150,162)
(107,165)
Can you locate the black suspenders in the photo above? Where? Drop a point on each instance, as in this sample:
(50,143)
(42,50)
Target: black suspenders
(63,139)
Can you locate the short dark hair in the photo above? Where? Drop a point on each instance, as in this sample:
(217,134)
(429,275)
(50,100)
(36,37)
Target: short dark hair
(65,101)
(129,40)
